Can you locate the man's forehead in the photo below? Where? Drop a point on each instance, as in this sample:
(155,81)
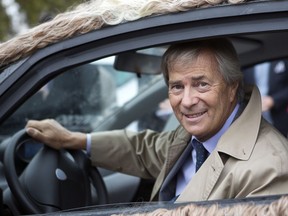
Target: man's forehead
(194,74)
(187,59)
(202,64)
(188,77)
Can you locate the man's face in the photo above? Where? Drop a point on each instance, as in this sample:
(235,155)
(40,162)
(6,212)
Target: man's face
(199,96)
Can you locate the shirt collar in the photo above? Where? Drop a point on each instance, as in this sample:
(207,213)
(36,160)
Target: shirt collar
(211,143)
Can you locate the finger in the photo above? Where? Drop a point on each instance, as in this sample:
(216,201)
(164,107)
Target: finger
(39,125)
(32,123)
(34,133)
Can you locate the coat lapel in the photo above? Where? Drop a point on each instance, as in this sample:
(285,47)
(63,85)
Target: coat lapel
(167,191)
(174,152)
(204,180)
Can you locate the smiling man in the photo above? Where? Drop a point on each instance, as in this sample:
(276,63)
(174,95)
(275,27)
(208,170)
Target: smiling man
(222,149)
(200,97)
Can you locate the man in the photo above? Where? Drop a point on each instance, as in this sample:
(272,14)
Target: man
(272,81)
(247,156)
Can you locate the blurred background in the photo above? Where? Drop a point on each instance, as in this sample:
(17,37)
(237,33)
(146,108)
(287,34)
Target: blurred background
(16,16)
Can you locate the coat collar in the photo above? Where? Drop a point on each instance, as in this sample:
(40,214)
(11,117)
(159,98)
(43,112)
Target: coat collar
(244,130)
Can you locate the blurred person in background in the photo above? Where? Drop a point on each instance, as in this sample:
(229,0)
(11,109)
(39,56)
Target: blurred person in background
(272,81)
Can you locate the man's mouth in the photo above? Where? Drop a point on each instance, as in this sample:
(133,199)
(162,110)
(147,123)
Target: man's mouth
(195,115)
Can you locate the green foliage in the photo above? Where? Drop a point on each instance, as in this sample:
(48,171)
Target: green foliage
(37,8)
(33,10)
(4,24)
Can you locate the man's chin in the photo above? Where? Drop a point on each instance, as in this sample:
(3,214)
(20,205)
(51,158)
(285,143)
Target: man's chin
(195,131)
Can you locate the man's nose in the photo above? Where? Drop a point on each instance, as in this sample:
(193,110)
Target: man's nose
(190,97)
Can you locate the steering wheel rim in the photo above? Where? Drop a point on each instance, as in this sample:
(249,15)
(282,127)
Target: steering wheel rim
(17,190)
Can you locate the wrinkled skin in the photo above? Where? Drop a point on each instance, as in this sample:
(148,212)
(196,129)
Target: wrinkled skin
(201,100)
(55,135)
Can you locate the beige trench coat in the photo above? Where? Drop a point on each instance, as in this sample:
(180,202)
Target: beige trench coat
(250,159)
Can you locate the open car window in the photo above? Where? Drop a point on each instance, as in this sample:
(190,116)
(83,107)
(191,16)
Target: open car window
(81,98)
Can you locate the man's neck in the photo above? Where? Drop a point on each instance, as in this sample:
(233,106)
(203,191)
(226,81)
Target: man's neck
(211,143)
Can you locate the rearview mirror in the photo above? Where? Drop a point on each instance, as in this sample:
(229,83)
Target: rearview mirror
(139,63)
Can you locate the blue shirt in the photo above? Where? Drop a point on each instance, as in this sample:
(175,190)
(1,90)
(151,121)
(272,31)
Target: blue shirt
(189,167)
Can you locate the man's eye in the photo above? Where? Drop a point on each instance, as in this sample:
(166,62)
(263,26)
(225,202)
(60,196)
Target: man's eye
(176,88)
(203,84)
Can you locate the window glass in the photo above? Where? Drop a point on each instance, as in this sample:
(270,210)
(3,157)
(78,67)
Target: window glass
(81,97)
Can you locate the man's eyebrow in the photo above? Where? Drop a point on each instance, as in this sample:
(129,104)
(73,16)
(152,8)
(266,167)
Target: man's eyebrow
(194,78)
(198,77)
(175,82)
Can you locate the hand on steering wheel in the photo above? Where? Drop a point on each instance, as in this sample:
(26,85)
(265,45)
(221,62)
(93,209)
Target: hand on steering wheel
(50,170)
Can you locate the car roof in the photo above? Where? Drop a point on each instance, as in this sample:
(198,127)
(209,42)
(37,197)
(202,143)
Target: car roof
(258,29)
(216,13)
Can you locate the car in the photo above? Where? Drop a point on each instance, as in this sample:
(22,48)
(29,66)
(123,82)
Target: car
(104,79)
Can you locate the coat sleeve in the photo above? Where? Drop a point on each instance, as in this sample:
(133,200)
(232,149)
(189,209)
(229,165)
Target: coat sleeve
(140,154)
(266,171)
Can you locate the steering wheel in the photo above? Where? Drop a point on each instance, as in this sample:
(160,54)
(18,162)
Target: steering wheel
(53,180)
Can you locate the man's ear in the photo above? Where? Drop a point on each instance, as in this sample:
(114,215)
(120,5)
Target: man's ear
(233,91)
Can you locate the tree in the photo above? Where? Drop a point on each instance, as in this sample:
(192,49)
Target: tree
(4,24)
(32,10)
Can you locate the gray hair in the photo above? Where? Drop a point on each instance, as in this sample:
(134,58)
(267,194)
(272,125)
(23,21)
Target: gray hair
(224,52)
